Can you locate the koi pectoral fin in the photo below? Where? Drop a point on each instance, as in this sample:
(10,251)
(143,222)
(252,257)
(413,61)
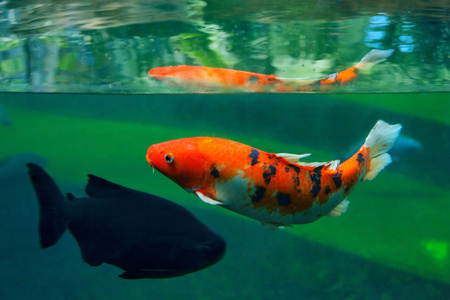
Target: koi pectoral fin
(273,226)
(208,200)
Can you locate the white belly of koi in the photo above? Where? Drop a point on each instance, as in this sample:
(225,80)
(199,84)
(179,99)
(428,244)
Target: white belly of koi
(236,195)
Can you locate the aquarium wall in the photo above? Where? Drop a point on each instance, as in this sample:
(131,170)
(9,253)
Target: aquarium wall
(86,87)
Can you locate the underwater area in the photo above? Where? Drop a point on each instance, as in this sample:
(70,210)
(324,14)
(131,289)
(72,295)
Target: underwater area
(76,98)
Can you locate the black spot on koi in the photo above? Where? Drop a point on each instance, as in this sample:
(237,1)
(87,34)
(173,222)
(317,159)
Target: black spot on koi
(269,172)
(259,194)
(283,199)
(254,155)
(272,80)
(296,168)
(214,172)
(347,188)
(327,190)
(337,179)
(360,158)
(253,79)
(315,176)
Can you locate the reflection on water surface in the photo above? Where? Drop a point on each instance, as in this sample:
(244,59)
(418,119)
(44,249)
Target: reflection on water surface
(104,46)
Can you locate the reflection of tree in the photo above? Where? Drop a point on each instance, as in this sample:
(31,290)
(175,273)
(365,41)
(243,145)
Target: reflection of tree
(42,16)
(113,45)
(420,41)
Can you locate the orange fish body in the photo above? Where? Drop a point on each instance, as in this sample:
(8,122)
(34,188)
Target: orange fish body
(276,189)
(214,79)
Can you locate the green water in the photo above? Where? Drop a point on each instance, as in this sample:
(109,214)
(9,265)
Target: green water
(75,96)
(392,242)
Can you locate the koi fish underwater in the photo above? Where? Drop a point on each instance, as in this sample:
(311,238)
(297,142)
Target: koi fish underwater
(275,189)
(219,79)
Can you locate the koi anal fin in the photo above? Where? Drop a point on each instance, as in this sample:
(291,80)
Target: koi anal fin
(340,209)
(379,141)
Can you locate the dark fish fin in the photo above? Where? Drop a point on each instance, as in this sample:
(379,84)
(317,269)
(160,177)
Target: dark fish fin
(139,274)
(132,275)
(52,223)
(90,253)
(90,241)
(97,186)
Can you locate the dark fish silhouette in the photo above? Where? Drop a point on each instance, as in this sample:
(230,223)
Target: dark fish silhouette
(145,235)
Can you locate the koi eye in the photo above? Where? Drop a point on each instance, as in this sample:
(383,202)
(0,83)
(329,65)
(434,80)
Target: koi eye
(169,158)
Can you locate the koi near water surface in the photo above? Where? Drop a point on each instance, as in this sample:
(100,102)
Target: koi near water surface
(219,79)
(276,189)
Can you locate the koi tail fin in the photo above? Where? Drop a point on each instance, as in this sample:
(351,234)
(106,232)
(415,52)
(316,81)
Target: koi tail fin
(374,57)
(52,223)
(379,141)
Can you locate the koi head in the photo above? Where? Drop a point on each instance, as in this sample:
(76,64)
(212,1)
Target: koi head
(185,77)
(181,161)
(160,73)
(174,72)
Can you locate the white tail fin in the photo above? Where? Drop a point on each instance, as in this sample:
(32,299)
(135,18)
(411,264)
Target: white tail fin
(374,57)
(379,141)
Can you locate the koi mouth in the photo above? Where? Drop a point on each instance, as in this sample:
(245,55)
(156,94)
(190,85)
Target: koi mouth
(151,163)
(158,77)
(153,73)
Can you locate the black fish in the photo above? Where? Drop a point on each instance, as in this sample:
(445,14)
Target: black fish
(145,235)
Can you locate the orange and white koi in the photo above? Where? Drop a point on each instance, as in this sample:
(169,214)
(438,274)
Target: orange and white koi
(219,79)
(276,189)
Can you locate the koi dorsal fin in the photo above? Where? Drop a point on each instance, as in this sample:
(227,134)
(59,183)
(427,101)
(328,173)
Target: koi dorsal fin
(293,158)
(332,165)
(312,164)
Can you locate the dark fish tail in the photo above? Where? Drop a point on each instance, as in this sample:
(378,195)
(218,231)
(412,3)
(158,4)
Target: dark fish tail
(52,223)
